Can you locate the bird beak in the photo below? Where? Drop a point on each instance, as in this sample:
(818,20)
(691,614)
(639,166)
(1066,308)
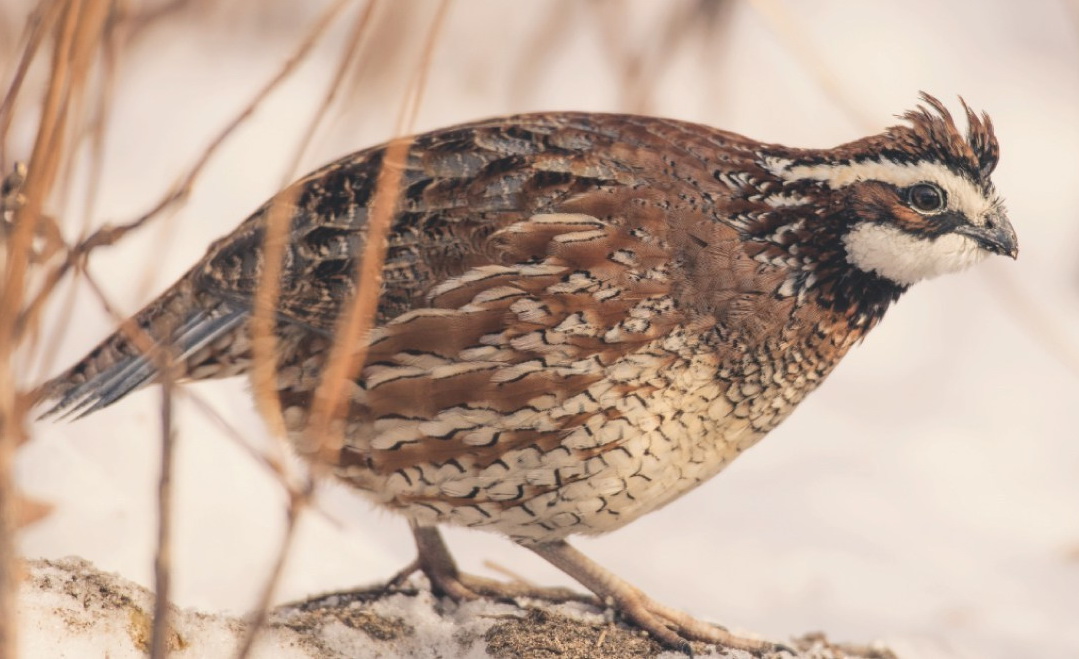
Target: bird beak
(996,235)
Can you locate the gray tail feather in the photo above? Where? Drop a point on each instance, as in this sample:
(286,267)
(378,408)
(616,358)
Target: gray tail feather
(116,367)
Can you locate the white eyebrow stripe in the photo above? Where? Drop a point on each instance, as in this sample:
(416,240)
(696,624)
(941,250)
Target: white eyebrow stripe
(963,195)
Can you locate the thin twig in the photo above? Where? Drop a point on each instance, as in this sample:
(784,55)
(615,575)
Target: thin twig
(78,40)
(808,55)
(12,433)
(546,37)
(76,25)
(44,163)
(143,340)
(264,320)
(39,25)
(92,137)
(298,502)
(349,350)
(406,120)
(108,235)
(159,643)
(145,18)
(275,466)
(8,526)
(363,21)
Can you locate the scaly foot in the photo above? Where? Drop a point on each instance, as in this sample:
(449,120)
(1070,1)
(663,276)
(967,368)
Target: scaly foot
(671,627)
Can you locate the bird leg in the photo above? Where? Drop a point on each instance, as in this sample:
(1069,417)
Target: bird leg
(669,626)
(434,560)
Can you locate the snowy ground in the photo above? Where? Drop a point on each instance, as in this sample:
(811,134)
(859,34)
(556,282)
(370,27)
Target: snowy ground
(70,610)
(927,495)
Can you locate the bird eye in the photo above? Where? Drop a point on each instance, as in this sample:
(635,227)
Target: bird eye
(926,198)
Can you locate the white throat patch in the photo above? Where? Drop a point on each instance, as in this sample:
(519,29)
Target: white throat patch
(906,259)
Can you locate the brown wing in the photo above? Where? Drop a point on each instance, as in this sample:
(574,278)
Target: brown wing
(460,186)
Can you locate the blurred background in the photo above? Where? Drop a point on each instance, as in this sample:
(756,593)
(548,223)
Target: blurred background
(927,495)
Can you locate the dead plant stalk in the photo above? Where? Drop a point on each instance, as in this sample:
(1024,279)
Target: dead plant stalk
(76,27)
(349,350)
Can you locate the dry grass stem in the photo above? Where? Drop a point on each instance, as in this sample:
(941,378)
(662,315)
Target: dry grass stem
(111,48)
(159,640)
(265,300)
(9,514)
(348,55)
(30,317)
(145,18)
(76,27)
(264,320)
(298,502)
(349,350)
(44,164)
(39,26)
(510,575)
(791,35)
(87,29)
(406,118)
(545,38)
(357,323)
(130,329)
(108,235)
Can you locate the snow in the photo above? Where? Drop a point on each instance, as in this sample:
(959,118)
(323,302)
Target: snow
(924,496)
(70,609)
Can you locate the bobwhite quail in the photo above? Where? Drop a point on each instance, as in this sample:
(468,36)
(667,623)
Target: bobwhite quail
(581,316)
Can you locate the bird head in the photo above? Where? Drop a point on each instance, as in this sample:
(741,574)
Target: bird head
(915,201)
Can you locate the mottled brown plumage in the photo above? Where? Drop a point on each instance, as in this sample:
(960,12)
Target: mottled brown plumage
(582,316)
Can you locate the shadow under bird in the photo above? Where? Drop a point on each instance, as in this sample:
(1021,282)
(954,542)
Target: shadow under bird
(581,316)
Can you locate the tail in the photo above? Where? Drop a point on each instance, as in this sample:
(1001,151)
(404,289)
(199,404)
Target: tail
(179,320)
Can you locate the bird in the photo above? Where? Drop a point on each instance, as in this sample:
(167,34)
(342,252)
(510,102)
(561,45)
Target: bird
(580,316)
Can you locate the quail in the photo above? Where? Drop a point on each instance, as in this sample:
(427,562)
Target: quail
(581,316)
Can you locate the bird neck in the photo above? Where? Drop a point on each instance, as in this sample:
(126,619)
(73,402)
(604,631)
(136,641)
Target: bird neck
(808,245)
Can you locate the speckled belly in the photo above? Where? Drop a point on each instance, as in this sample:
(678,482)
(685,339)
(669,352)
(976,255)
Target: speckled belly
(658,423)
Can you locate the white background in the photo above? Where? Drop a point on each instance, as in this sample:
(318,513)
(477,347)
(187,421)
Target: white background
(927,494)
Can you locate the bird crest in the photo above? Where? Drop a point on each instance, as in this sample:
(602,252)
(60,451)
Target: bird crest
(931,131)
